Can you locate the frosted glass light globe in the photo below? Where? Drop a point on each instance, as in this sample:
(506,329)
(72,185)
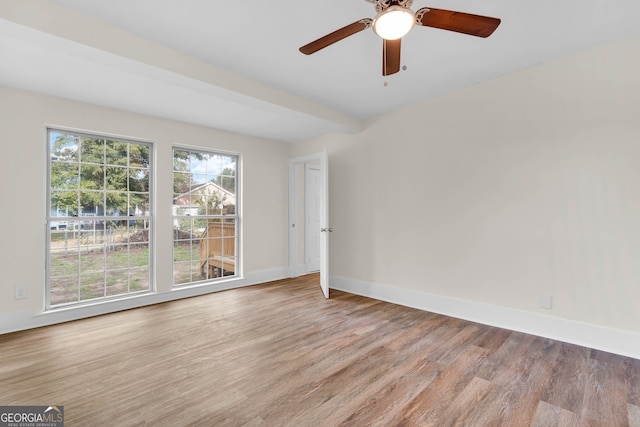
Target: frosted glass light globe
(394,22)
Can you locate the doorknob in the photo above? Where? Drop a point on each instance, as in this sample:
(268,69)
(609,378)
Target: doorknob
(324,230)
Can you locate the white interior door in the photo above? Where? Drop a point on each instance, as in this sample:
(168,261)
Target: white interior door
(325,229)
(312,218)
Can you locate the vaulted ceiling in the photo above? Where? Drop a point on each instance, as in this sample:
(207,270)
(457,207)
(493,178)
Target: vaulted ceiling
(236,65)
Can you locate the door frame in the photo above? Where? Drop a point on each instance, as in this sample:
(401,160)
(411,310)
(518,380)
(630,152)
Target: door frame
(294,270)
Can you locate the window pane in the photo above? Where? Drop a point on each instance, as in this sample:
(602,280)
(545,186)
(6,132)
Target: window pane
(139,279)
(139,255)
(91,203)
(64,203)
(116,204)
(196,160)
(198,180)
(95,246)
(117,258)
(92,151)
(92,286)
(92,259)
(139,155)
(117,283)
(181,251)
(116,178)
(196,271)
(199,203)
(229,184)
(139,180)
(181,182)
(229,247)
(91,177)
(180,160)
(63,262)
(139,204)
(64,147)
(117,153)
(67,237)
(199,227)
(66,176)
(211,164)
(138,231)
(63,289)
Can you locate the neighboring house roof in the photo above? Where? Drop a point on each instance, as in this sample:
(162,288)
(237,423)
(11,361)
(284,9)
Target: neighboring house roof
(208,188)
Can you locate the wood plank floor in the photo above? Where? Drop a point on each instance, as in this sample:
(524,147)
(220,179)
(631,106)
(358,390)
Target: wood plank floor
(279,354)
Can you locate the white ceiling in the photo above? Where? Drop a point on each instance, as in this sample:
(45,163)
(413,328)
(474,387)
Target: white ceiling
(245,73)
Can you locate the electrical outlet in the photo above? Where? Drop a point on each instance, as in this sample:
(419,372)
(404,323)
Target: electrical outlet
(21,293)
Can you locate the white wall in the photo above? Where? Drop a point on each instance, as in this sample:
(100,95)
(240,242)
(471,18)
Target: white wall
(474,204)
(23,118)
(479,202)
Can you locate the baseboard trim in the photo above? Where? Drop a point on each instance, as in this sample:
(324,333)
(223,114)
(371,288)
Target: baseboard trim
(22,320)
(622,342)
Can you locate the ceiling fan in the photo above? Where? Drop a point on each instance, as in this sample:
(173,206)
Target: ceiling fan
(394,19)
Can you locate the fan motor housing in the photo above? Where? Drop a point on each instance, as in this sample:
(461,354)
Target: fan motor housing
(381,5)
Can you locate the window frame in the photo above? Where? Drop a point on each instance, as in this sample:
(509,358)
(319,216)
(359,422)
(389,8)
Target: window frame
(236,218)
(104,219)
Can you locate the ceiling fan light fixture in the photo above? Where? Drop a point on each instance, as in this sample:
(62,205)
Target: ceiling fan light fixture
(394,22)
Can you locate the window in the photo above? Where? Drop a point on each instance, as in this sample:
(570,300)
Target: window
(99,218)
(205,206)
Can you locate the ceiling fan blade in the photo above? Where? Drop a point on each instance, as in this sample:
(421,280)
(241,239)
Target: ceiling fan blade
(336,36)
(390,56)
(466,23)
